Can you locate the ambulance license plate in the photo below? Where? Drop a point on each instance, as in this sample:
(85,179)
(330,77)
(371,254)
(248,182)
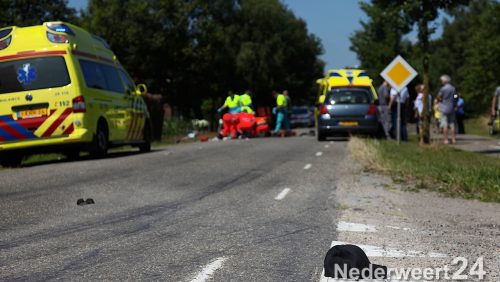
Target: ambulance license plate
(348,123)
(32,113)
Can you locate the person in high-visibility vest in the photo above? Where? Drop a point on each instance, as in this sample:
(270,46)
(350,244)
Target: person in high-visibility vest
(231,118)
(246,102)
(280,111)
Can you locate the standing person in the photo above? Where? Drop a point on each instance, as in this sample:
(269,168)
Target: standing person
(280,110)
(447,104)
(460,114)
(288,104)
(246,102)
(231,118)
(403,97)
(419,105)
(495,105)
(383,100)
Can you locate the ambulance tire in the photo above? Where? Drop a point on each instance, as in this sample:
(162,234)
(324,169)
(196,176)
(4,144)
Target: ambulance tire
(146,146)
(100,144)
(11,160)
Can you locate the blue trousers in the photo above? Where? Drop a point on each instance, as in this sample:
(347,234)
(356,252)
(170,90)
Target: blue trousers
(282,121)
(402,128)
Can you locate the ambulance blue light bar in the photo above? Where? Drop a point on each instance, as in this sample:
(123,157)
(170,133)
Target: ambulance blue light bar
(60,27)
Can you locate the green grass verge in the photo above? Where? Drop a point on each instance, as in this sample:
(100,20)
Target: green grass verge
(435,167)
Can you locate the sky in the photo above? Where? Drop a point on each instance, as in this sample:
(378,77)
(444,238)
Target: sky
(333,21)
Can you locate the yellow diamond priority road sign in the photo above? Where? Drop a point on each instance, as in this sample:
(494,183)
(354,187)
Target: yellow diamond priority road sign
(398,73)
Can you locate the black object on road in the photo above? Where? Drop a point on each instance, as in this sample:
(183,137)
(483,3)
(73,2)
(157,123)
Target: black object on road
(82,202)
(351,262)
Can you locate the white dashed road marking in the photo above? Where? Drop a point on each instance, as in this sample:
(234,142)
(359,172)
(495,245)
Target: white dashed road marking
(327,146)
(318,154)
(209,270)
(355,227)
(307,166)
(282,194)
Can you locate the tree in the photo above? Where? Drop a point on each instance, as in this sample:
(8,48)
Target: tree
(193,51)
(481,56)
(381,37)
(34,12)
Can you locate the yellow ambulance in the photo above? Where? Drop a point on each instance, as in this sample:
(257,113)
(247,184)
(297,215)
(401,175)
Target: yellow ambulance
(62,89)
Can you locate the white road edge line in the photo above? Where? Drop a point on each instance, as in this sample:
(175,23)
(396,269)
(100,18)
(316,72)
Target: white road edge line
(307,166)
(318,154)
(282,194)
(209,270)
(355,227)
(374,251)
(495,147)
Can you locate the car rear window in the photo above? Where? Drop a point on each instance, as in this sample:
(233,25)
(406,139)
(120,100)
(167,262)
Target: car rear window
(300,111)
(349,96)
(33,73)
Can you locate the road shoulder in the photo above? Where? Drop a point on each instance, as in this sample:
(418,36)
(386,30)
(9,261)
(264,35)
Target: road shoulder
(410,228)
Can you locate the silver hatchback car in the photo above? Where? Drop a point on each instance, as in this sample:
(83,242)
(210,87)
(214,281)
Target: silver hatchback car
(346,111)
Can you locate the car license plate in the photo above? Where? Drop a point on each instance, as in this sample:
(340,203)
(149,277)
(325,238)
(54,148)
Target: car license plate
(32,113)
(348,123)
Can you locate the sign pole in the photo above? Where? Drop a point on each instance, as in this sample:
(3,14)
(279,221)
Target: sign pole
(398,123)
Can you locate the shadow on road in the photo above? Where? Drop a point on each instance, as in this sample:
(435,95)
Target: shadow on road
(110,155)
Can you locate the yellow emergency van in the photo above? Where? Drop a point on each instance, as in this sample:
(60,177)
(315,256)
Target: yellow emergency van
(63,89)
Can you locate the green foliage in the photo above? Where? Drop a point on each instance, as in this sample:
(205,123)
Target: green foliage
(177,127)
(380,38)
(468,50)
(194,50)
(34,12)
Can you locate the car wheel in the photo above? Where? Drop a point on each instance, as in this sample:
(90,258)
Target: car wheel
(146,146)
(11,160)
(321,136)
(101,143)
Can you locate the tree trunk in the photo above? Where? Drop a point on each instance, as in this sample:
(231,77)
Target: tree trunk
(425,123)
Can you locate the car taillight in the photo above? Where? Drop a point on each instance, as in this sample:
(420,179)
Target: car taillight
(79,105)
(57,38)
(372,110)
(5,42)
(323,110)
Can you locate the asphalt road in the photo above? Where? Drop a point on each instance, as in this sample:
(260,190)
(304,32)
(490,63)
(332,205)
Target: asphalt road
(178,213)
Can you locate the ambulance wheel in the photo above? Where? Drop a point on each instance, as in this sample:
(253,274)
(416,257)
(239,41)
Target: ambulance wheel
(100,144)
(146,146)
(11,160)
